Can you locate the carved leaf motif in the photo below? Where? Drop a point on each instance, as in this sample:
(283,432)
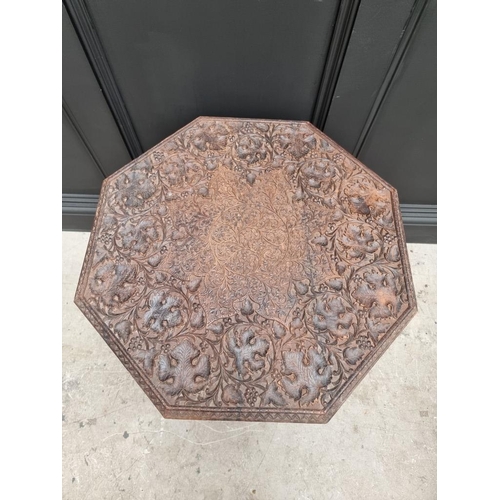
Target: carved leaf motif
(147,358)
(320,240)
(249,352)
(164,311)
(273,396)
(209,137)
(232,395)
(335,284)
(393,254)
(247,308)
(114,283)
(309,376)
(138,236)
(251,178)
(188,373)
(358,243)
(178,170)
(299,194)
(318,173)
(251,149)
(331,315)
(194,284)
(379,293)
(301,288)
(295,142)
(369,200)
(198,318)
(353,355)
(377,328)
(359,205)
(154,260)
(134,188)
(216,328)
(279,330)
(123,329)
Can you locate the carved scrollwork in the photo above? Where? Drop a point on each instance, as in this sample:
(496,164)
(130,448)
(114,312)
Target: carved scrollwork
(247,348)
(332,317)
(246,265)
(134,190)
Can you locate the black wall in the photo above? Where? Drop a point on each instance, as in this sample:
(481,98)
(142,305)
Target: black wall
(364,71)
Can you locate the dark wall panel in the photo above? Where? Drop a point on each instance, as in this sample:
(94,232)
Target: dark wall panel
(176,60)
(80,174)
(401,145)
(88,109)
(163,63)
(376,34)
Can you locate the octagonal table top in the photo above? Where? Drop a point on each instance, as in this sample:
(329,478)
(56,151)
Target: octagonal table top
(247,270)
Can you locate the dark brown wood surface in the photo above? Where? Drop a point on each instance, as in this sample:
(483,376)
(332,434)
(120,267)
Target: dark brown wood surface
(247,270)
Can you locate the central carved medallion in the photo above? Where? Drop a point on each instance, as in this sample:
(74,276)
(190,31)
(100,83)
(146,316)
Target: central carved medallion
(255,245)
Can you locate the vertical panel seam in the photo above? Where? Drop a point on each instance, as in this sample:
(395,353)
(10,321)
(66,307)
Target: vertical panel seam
(401,51)
(78,130)
(339,42)
(84,27)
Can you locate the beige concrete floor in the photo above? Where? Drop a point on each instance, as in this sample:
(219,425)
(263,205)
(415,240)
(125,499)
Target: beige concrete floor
(380,445)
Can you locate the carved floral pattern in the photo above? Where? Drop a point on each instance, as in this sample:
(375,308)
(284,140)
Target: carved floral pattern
(332,316)
(378,290)
(247,348)
(245,264)
(165,311)
(138,237)
(183,369)
(358,243)
(135,188)
(306,376)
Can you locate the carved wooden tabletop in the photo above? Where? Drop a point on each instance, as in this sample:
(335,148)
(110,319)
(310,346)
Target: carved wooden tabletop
(247,270)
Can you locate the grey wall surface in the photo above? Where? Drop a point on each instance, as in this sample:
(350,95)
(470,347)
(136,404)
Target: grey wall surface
(364,71)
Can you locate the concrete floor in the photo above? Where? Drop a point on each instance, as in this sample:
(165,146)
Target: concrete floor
(380,445)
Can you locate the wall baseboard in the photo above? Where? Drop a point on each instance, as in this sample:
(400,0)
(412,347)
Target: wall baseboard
(78,211)
(420,221)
